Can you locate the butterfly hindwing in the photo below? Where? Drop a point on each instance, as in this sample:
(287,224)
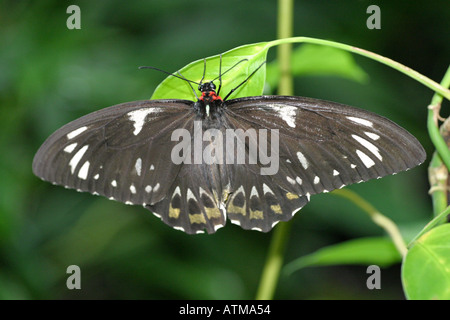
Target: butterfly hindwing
(191,205)
(257,203)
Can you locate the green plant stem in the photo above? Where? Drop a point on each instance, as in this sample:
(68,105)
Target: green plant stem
(285,26)
(432,124)
(274,262)
(275,256)
(389,62)
(384,222)
(437,176)
(437,171)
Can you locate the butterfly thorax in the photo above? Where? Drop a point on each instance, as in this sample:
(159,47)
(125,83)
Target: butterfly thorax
(209,104)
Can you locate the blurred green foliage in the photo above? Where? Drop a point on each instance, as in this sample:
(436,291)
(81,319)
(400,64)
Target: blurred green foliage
(50,75)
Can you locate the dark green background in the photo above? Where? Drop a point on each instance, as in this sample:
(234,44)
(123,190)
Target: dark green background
(50,75)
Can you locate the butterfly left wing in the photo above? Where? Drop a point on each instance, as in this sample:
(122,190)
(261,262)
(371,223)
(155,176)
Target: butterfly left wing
(192,204)
(121,152)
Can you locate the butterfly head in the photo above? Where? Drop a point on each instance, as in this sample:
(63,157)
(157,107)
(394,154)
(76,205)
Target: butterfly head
(208,90)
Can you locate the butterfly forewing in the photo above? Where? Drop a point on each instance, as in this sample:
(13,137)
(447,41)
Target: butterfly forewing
(117,151)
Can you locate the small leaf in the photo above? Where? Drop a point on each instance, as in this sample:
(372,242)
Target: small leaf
(426,267)
(364,251)
(174,88)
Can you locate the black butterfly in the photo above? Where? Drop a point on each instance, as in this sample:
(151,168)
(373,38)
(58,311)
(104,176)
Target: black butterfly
(135,153)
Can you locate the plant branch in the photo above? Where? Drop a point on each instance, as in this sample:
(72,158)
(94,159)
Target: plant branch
(432,123)
(389,62)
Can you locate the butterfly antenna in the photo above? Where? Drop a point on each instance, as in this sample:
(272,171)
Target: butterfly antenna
(204,71)
(254,71)
(170,74)
(189,83)
(221,74)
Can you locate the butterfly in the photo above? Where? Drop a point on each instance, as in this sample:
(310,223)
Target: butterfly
(253,160)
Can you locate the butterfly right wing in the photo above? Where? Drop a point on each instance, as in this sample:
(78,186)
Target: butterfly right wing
(321,146)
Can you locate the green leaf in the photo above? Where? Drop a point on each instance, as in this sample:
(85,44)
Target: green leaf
(432,224)
(363,251)
(310,59)
(426,268)
(174,88)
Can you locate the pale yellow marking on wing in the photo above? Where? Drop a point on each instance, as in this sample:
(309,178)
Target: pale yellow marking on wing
(197,218)
(291,196)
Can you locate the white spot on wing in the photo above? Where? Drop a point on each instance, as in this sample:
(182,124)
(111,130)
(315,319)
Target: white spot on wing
(138,117)
(156,214)
(290,180)
(190,195)
(364,122)
(254,192)
(96,176)
(176,191)
(236,222)
(156,187)
(371,147)
(287,113)
(240,190)
(152,167)
(302,160)
(114,183)
(266,189)
(133,189)
(299,180)
(372,135)
(76,132)
(335,173)
(76,158)
(365,159)
(138,166)
(316,180)
(70,147)
(83,173)
(148,189)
